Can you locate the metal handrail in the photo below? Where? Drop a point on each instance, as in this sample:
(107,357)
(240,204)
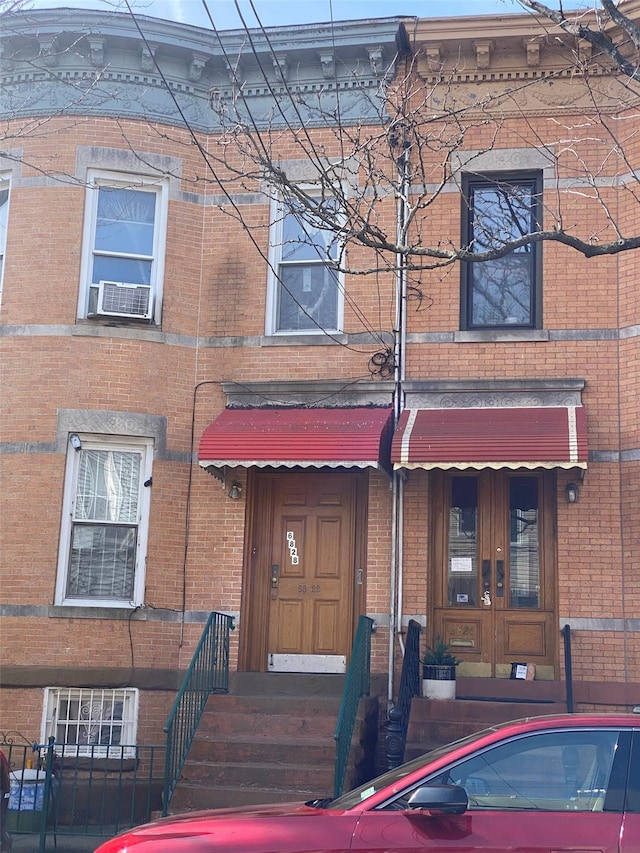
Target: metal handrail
(208,673)
(357,683)
(568,668)
(409,687)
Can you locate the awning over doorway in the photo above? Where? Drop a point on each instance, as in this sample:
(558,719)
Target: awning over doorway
(313,438)
(518,437)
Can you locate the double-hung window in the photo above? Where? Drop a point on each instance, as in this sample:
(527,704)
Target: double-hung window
(105,519)
(94,723)
(504,292)
(4,221)
(123,258)
(306,285)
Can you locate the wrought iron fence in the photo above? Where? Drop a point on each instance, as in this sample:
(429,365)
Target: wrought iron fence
(357,684)
(409,687)
(208,673)
(64,790)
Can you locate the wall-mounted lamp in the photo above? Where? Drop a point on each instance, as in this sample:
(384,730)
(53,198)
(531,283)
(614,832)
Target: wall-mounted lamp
(235,492)
(573,493)
(76,443)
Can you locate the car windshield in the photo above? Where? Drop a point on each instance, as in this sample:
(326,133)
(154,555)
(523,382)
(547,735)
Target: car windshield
(360,795)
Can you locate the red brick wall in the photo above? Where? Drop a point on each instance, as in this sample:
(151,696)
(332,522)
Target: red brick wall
(215,285)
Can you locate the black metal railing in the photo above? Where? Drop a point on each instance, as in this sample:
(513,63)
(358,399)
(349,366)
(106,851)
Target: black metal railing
(409,687)
(568,668)
(88,790)
(357,684)
(208,673)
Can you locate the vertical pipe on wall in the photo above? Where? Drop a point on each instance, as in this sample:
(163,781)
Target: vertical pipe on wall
(397,552)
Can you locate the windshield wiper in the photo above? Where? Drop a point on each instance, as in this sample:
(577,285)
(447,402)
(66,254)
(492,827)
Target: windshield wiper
(320,804)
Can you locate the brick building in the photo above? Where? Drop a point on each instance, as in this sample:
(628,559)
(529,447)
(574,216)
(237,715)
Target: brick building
(190,422)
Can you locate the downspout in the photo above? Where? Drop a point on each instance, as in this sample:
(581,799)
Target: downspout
(397,513)
(402,362)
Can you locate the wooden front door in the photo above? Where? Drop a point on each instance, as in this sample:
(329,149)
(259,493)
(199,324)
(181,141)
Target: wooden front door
(306,579)
(494,569)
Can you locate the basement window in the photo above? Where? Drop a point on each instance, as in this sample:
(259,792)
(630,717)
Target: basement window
(91,723)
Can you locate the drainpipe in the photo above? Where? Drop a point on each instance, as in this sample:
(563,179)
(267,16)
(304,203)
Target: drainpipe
(397,517)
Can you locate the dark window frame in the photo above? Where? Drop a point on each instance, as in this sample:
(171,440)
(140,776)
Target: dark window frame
(500,179)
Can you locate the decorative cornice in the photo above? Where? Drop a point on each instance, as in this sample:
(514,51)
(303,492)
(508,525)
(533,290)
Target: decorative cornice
(483,52)
(115,71)
(492,393)
(523,63)
(329,394)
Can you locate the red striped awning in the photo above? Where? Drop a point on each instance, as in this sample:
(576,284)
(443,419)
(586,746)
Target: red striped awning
(532,437)
(311,438)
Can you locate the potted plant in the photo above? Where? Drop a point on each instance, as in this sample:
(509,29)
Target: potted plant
(439,671)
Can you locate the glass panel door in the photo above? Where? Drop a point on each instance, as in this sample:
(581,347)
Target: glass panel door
(493,593)
(462,583)
(524,544)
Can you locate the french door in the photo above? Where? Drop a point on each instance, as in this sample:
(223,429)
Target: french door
(494,569)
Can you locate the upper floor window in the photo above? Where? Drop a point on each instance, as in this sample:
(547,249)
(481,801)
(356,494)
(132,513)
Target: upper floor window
(123,256)
(505,291)
(105,519)
(305,284)
(4,221)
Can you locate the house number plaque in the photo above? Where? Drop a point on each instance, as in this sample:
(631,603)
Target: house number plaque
(293,551)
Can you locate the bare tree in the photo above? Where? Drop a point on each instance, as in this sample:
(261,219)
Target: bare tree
(411,152)
(415,151)
(613,34)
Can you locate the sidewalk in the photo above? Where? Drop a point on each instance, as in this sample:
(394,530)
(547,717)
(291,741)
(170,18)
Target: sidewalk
(30,843)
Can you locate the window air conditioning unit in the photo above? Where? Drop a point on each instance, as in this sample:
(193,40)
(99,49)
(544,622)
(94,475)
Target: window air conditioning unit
(119,299)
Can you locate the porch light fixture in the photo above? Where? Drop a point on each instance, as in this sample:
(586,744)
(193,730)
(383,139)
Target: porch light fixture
(572,493)
(76,443)
(235,492)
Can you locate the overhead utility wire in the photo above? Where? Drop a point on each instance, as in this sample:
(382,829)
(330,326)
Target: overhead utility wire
(316,157)
(310,151)
(223,189)
(267,157)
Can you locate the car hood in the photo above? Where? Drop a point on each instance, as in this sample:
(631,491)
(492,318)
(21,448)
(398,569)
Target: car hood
(234,828)
(277,809)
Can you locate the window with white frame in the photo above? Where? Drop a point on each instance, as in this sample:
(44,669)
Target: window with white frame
(123,248)
(4,222)
(95,723)
(306,287)
(105,519)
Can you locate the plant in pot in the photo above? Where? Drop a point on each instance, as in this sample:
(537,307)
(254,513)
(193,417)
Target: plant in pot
(439,671)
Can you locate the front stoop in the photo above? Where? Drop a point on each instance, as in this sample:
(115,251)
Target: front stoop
(482,702)
(270,740)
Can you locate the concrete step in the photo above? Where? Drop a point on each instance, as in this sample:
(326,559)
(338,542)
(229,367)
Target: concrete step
(262,775)
(196,797)
(434,723)
(285,684)
(278,718)
(270,741)
(247,748)
(316,706)
(510,689)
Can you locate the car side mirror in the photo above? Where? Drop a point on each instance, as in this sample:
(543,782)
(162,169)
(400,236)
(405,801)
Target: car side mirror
(440,799)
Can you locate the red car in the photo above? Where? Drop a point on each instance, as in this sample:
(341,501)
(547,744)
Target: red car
(540,785)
